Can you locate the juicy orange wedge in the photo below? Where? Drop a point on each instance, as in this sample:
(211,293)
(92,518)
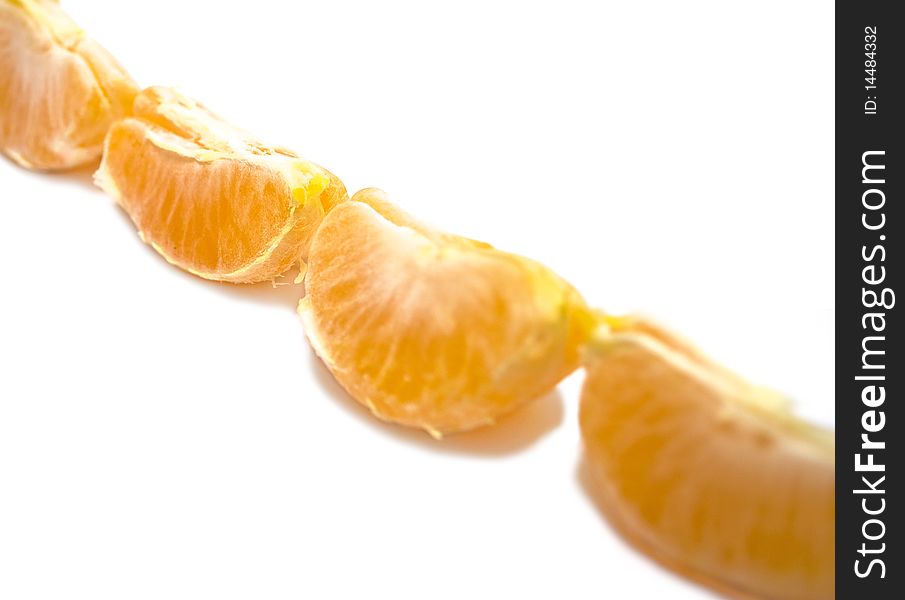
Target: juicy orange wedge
(59,90)
(208,196)
(433,330)
(711,476)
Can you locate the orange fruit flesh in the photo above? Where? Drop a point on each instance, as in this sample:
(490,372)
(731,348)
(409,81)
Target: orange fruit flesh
(432,330)
(712,477)
(59,90)
(208,196)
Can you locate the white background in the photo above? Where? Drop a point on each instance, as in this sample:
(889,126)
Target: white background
(166,437)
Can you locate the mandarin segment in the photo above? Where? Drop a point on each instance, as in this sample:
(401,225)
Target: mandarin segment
(432,330)
(705,472)
(210,197)
(59,90)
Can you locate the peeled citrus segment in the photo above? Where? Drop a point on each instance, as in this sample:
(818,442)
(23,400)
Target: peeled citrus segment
(208,196)
(432,330)
(709,475)
(59,90)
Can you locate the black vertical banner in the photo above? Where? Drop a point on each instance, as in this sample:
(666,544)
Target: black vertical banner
(870,372)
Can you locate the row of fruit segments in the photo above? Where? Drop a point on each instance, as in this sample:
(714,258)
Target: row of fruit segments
(709,475)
